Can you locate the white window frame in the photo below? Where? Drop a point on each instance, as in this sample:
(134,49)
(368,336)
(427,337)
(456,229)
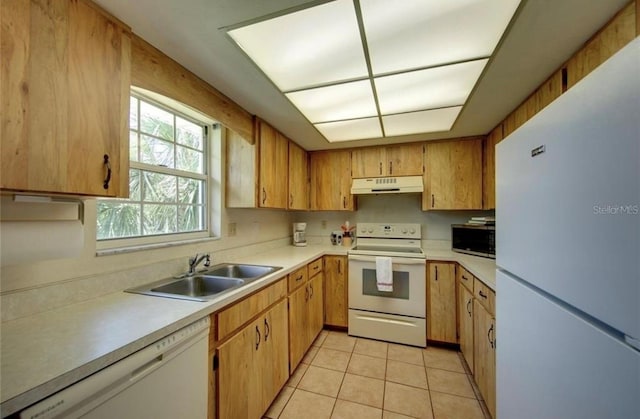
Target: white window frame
(213,137)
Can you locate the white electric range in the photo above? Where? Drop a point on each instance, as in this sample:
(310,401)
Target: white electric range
(398,315)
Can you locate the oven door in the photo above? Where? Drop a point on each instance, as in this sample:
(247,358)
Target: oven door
(408,297)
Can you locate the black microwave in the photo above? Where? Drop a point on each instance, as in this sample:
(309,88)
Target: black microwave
(473,239)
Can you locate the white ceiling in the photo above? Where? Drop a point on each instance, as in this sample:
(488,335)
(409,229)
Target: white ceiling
(542,35)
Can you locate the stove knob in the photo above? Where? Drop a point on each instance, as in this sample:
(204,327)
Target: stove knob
(404,231)
(412,231)
(370,230)
(363,230)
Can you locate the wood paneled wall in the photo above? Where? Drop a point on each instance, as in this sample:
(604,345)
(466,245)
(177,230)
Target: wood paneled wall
(617,33)
(151,69)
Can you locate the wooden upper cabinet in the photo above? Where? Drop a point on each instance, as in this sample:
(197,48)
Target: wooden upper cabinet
(273,151)
(298,178)
(398,160)
(405,160)
(489,168)
(453,175)
(368,162)
(331,181)
(65,81)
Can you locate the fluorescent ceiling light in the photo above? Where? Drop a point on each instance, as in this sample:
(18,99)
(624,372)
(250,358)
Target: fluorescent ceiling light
(424,121)
(307,48)
(347,65)
(356,129)
(428,89)
(412,34)
(337,102)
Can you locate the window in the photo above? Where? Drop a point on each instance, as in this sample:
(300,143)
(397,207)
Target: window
(168,177)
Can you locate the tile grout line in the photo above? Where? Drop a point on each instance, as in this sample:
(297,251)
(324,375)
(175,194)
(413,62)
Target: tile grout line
(433,412)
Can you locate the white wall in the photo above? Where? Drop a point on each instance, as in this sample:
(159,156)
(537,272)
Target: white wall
(393,208)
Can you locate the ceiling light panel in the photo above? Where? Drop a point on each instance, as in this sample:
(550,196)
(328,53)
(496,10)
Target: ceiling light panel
(310,47)
(427,89)
(336,102)
(411,34)
(357,129)
(434,120)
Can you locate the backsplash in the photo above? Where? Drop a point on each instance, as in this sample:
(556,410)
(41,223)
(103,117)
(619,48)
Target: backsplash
(39,286)
(392,208)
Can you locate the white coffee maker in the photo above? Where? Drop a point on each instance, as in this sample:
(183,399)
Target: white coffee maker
(299,238)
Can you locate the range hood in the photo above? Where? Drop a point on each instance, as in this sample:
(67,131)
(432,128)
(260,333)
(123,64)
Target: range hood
(378,185)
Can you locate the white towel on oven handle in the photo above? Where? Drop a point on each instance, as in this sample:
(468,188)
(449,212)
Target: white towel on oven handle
(384,274)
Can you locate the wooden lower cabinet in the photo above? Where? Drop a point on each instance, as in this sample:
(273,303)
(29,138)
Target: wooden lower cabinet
(335,291)
(298,320)
(484,354)
(441,302)
(253,365)
(465,322)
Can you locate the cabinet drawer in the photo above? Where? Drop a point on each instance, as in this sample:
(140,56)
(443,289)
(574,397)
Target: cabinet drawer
(485,296)
(315,267)
(297,278)
(465,278)
(238,314)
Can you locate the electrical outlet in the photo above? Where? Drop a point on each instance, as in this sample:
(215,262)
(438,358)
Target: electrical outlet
(232,229)
(324,224)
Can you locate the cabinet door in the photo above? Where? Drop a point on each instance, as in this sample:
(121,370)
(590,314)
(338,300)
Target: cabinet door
(453,175)
(65,83)
(335,291)
(368,162)
(441,302)
(239,392)
(484,354)
(315,308)
(273,365)
(273,167)
(489,168)
(298,325)
(465,318)
(331,181)
(405,160)
(298,178)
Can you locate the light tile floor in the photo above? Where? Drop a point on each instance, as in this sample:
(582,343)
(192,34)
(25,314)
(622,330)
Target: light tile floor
(346,377)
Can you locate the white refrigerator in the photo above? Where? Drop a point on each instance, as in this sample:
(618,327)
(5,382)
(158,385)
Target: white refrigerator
(568,252)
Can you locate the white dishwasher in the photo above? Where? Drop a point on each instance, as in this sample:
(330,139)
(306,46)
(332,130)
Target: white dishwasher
(168,379)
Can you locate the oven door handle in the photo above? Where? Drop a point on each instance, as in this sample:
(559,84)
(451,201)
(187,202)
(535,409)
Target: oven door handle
(395,260)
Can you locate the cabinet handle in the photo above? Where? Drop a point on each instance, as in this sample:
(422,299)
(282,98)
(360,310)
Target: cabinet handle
(469,307)
(290,200)
(306,293)
(433,201)
(490,336)
(465,278)
(344,202)
(380,170)
(436,267)
(257,337)
(267,329)
(299,278)
(482,294)
(107,178)
(264,195)
(311,293)
(390,167)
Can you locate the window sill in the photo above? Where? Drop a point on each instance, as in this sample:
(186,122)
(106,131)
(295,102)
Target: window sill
(151,246)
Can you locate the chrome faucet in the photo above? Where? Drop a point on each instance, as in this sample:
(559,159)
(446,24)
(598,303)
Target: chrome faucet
(195,261)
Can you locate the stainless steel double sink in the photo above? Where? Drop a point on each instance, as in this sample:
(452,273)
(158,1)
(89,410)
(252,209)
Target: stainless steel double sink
(206,285)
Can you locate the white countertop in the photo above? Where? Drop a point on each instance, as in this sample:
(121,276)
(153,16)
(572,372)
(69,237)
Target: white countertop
(43,353)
